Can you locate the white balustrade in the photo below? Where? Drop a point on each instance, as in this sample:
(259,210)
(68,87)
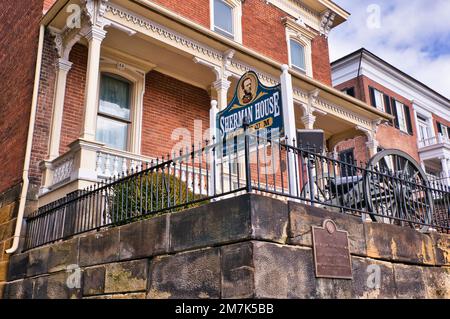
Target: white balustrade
(439,139)
(62,170)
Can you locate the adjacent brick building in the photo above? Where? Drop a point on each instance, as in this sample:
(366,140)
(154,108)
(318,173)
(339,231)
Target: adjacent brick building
(421,115)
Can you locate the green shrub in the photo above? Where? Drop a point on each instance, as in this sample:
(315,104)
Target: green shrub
(149,193)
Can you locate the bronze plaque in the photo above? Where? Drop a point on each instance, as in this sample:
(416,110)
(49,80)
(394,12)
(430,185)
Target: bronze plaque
(331,252)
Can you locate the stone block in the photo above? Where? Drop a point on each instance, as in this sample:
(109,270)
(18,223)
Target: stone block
(94,281)
(409,282)
(441,246)
(21,289)
(18,266)
(302,217)
(287,272)
(269,218)
(57,286)
(3,271)
(193,274)
(4,246)
(130,276)
(437,282)
(62,255)
(135,295)
(216,223)
(395,243)
(372,279)
(38,261)
(144,238)
(99,248)
(7,229)
(237,271)
(8,212)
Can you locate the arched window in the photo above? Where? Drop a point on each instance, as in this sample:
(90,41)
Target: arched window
(114,111)
(297,54)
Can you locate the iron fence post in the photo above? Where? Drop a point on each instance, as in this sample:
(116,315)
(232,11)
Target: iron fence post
(248,180)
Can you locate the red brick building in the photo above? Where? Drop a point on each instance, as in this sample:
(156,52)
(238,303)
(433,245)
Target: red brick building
(421,116)
(107,84)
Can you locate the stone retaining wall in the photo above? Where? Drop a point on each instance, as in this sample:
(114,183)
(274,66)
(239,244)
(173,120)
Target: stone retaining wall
(245,247)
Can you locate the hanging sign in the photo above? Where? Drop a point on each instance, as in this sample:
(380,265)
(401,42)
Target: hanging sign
(259,104)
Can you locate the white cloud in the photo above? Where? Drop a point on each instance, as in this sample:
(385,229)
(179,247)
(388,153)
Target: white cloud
(413,35)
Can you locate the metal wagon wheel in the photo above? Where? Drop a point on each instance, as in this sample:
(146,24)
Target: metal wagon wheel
(396,187)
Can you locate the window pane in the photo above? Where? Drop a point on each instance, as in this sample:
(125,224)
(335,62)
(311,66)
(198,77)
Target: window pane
(379,100)
(297,55)
(112,133)
(223,17)
(114,97)
(401,116)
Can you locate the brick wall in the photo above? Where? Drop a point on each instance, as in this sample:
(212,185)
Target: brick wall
(18,48)
(74,99)
(321,60)
(195,10)
(170,104)
(41,135)
(263,30)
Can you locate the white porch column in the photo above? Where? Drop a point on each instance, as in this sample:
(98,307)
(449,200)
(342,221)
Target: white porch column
(308,120)
(63,68)
(213,172)
(221,86)
(95,37)
(372,145)
(289,125)
(445,172)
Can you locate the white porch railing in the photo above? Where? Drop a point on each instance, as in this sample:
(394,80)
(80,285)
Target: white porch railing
(93,162)
(111,162)
(439,139)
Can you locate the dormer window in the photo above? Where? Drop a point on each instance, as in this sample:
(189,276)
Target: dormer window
(226,18)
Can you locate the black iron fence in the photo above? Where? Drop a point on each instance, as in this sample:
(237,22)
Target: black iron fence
(388,190)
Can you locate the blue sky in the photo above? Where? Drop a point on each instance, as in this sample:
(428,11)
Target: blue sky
(413,35)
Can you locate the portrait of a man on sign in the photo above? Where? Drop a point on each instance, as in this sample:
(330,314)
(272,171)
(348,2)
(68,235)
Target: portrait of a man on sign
(247,89)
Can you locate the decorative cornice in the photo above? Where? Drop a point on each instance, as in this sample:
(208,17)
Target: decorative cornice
(326,22)
(163,31)
(333,108)
(95,11)
(298,10)
(65,39)
(300,30)
(243,67)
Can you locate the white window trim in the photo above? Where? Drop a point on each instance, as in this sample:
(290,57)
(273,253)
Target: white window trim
(236,7)
(304,36)
(137,80)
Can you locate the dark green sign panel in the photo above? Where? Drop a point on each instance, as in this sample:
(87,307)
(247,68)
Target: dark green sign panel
(261,105)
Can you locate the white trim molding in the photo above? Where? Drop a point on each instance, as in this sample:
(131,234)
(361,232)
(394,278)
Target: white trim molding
(299,32)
